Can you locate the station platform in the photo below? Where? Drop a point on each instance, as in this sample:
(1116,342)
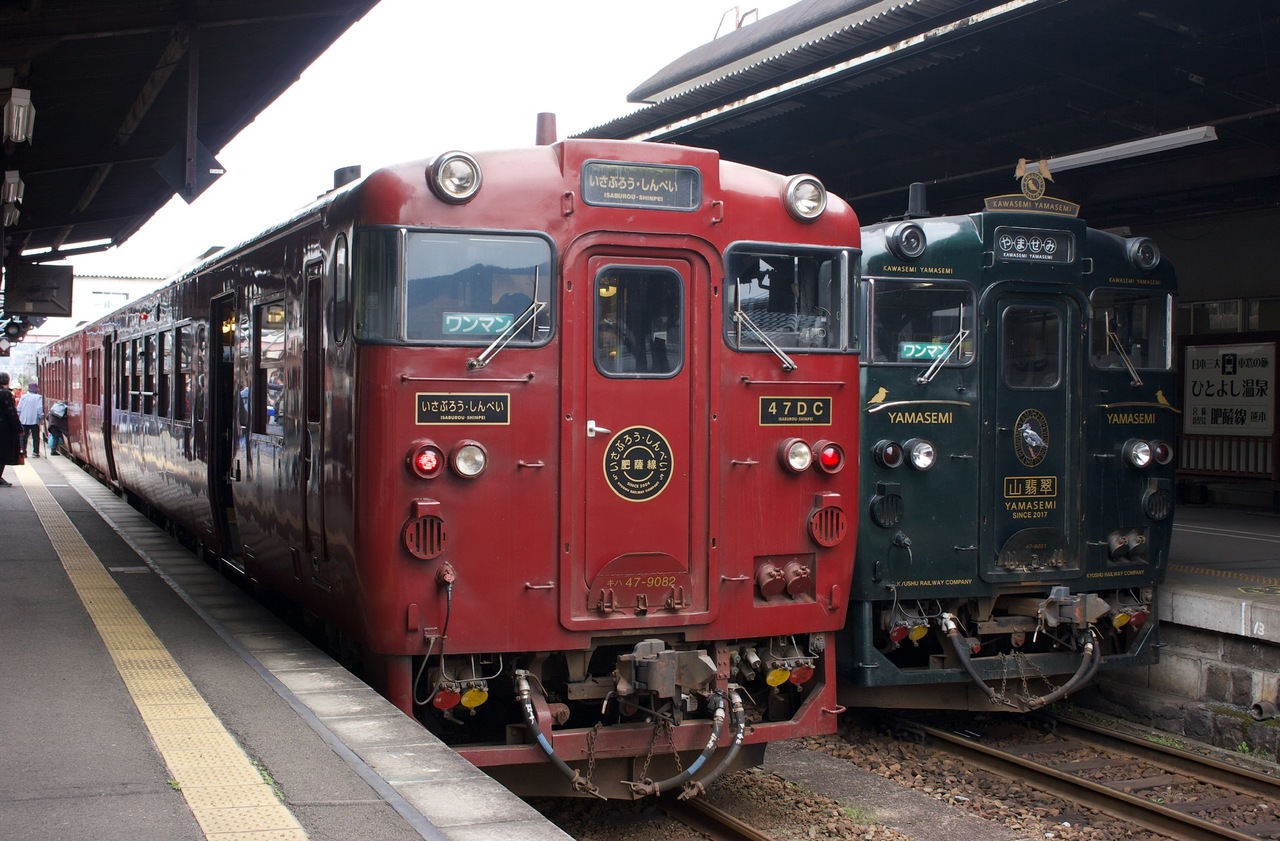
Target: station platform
(144,697)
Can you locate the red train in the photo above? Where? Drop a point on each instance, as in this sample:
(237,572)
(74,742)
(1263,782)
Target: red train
(552,439)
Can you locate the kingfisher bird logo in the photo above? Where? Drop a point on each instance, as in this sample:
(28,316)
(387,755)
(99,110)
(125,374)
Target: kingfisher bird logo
(1031,437)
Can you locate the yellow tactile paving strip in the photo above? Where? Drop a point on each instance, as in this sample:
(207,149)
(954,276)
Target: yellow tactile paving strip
(227,794)
(1225,573)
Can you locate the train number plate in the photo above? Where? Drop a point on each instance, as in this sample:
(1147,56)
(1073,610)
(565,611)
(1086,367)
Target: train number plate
(795,411)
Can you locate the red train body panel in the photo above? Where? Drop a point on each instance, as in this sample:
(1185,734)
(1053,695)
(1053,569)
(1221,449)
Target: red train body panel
(555,438)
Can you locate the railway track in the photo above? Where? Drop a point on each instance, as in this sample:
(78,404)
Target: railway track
(711,821)
(1179,794)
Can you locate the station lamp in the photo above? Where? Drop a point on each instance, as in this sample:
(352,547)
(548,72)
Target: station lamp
(13,188)
(19,116)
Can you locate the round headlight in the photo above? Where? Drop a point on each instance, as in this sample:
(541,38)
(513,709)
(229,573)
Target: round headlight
(454,177)
(1162,452)
(1137,453)
(888,453)
(805,197)
(920,453)
(469,459)
(796,455)
(906,240)
(1144,253)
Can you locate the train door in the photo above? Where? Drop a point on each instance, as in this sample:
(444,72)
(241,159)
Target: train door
(639,436)
(109,391)
(215,412)
(1031,469)
(312,444)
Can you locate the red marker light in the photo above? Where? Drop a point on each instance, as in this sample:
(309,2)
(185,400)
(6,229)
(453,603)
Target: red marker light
(830,458)
(445,699)
(427,461)
(801,675)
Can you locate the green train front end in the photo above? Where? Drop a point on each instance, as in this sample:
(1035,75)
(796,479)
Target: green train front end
(1017,459)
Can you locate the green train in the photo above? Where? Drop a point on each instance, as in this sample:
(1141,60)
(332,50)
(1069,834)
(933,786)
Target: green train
(1016,440)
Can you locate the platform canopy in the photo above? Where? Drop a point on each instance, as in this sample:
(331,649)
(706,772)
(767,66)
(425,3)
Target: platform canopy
(118,85)
(870,95)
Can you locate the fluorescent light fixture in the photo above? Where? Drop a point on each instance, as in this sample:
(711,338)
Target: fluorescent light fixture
(19,116)
(1131,149)
(13,187)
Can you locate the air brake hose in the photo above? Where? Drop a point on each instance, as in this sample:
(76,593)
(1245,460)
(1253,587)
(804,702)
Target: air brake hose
(525,696)
(717,726)
(738,716)
(952,628)
(1090,659)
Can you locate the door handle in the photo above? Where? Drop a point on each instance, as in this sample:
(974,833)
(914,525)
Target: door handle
(592,429)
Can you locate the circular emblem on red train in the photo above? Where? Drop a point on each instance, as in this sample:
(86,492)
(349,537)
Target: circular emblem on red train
(637,464)
(1031,437)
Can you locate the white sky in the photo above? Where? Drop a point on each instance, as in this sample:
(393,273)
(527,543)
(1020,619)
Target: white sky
(415,78)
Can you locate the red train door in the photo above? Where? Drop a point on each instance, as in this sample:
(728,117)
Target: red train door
(638,433)
(312,443)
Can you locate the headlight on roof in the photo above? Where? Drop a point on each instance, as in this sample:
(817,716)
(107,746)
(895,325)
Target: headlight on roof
(454,177)
(805,197)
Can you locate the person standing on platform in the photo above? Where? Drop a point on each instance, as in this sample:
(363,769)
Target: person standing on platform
(10,429)
(56,422)
(31,412)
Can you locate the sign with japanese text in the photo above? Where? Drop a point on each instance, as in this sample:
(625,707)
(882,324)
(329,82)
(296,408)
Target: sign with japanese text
(1229,389)
(479,409)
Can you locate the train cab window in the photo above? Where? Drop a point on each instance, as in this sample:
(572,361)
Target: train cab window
(476,289)
(639,317)
(793,299)
(268,400)
(1031,347)
(918,322)
(1130,326)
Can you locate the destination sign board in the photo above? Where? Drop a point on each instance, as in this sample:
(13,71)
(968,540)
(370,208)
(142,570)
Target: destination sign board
(612,184)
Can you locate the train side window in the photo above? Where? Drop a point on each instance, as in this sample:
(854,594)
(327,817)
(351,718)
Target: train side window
(198,369)
(164,379)
(1133,324)
(914,322)
(182,386)
(1031,347)
(149,374)
(341,288)
(135,374)
(268,381)
(639,318)
(376,274)
(793,298)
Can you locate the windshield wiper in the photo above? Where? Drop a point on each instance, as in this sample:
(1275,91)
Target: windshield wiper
(504,338)
(1124,357)
(742,318)
(952,347)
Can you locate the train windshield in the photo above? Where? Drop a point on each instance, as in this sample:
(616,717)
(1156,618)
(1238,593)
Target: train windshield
(921,322)
(1130,324)
(434,287)
(786,298)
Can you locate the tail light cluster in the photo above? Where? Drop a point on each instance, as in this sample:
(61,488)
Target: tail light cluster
(467,459)
(798,456)
(783,664)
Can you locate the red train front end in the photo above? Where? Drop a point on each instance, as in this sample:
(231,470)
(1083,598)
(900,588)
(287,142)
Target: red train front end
(603,516)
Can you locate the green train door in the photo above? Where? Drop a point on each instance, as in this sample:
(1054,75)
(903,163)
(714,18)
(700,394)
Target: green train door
(1032,466)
